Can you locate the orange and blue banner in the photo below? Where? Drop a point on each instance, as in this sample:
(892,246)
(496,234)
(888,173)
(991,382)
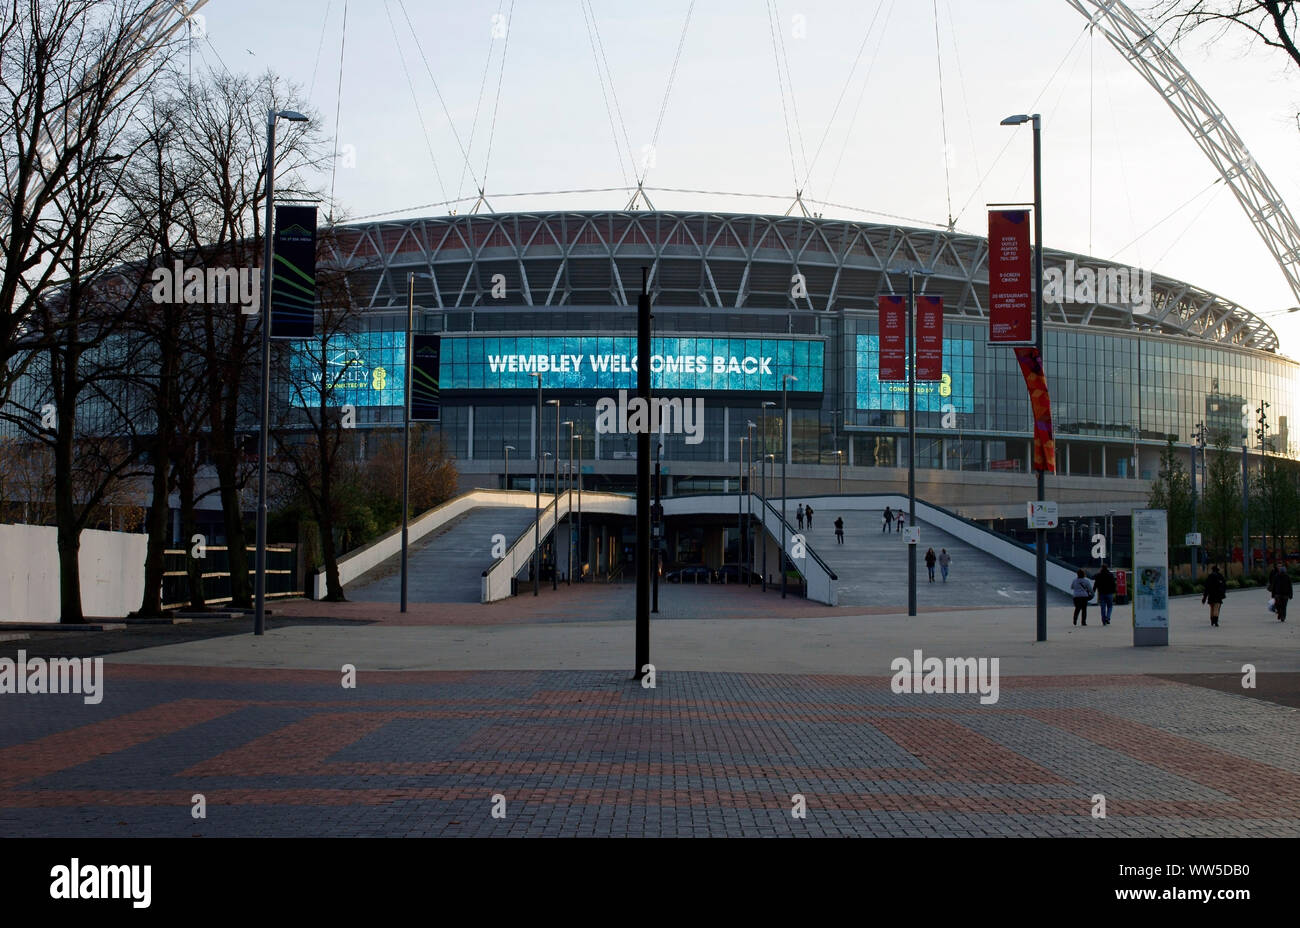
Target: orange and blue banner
(1031,366)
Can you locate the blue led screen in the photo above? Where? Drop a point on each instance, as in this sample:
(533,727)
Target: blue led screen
(361,369)
(607,362)
(956,387)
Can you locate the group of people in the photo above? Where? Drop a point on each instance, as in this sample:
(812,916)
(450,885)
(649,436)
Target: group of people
(804,514)
(1214,592)
(893,519)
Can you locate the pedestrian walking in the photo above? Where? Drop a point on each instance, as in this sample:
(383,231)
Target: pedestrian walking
(1106,586)
(807,514)
(944,560)
(1081,590)
(839,531)
(799,516)
(1215,591)
(930,558)
(1282,590)
(901,517)
(889,519)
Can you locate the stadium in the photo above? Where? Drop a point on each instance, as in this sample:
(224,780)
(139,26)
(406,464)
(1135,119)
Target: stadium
(796,295)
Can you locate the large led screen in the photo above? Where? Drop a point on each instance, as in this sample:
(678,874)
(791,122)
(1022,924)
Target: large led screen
(955,386)
(608,362)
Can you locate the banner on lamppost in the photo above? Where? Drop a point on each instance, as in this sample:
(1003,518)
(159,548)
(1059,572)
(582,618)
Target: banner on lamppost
(1010,276)
(1040,401)
(293,277)
(893,337)
(929,338)
(425,396)
(1150,577)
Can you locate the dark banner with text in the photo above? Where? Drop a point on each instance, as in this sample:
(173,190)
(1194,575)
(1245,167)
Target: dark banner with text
(929,338)
(893,337)
(1010,274)
(293,278)
(426,353)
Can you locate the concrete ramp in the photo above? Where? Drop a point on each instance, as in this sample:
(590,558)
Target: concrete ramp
(872,565)
(446,566)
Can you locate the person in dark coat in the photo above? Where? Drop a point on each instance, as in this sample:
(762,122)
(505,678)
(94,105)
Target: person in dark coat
(889,520)
(1105,584)
(839,530)
(807,514)
(1216,590)
(1081,590)
(930,558)
(1283,590)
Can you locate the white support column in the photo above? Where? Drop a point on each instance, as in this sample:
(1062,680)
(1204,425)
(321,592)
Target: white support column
(470,448)
(726,433)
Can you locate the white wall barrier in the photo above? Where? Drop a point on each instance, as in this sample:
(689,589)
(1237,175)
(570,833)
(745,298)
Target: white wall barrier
(112,573)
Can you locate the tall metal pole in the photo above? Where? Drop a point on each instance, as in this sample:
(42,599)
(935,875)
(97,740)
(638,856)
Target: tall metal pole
(1040,537)
(579,478)
(643,480)
(259,606)
(568,551)
(786,442)
(406,433)
(658,529)
(1245,511)
(749,507)
(911,441)
(555,532)
(740,508)
(537,490)
(762,464)
(1196,561)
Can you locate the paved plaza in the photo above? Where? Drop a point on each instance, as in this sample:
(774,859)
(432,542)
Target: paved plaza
(534,727)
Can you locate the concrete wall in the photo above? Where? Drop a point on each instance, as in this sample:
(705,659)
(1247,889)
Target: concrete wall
(112,573)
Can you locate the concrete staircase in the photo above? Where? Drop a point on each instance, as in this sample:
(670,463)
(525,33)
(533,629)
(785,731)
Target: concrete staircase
(446,565)
(872,566)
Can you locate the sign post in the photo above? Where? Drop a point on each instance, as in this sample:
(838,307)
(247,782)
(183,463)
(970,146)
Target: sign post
(1150,577)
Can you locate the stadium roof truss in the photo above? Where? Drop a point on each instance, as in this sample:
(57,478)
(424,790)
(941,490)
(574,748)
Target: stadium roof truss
(732,262)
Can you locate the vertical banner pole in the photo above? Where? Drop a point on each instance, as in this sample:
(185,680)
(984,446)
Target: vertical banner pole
(406,430)
(643,481)
(1040,539)
(259,605)
(911,439)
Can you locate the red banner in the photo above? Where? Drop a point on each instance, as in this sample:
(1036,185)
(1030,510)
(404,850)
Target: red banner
(1010,297)
(893,337)
(1031,366)
(929,338)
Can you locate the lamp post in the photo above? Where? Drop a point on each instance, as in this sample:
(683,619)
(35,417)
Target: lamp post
(537,491)
(840,462)
(786,444)
(406,436)
(579,478)
(568,551)
(763,467)
(555,530)
(259,609)
(1040,535)
(740,508)
(749,505)
(509,448)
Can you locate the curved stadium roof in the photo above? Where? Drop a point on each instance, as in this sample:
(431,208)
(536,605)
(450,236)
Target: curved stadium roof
(731,261)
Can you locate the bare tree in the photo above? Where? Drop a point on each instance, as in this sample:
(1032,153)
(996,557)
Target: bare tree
(1275,23)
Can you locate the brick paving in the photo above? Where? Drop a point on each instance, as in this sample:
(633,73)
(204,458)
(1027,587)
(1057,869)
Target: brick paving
(423,753)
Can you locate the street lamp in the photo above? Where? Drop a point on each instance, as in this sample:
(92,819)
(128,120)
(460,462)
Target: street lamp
(568,551)
(555,530)
(1040,535)
(763,467)
(259,610)
(537,490)
(749,505)
(579,478)
(785,456)
(740,507)
(509,448)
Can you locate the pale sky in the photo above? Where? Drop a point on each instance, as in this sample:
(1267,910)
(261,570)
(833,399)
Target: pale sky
(1116,161)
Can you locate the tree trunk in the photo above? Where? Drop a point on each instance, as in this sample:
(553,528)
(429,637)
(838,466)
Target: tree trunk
(157,526)
(69,530)
(224,461)
(189,527)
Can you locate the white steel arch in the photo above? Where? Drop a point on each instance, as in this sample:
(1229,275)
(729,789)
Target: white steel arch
(1151,57)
